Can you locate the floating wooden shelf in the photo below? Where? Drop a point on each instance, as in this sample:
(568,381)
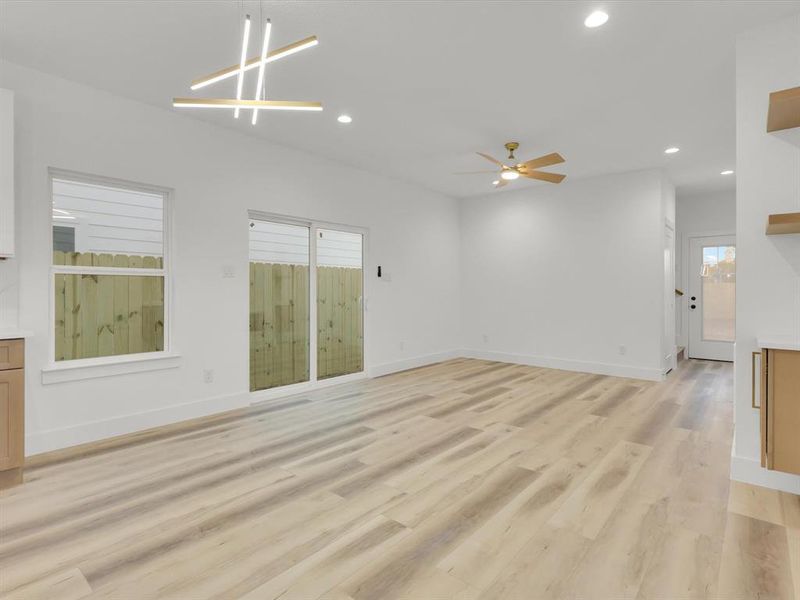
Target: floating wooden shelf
(784,110)
(785,223)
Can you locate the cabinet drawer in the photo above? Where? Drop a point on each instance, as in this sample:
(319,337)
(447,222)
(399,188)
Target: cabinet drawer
(12,354)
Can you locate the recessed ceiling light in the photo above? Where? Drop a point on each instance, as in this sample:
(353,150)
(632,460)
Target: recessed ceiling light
(672,150)
(496,182)
(344,119)
(509,175)
(596,19)
(726,172)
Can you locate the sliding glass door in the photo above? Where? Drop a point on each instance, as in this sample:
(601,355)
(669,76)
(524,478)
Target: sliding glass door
(306,292)
(279,306)
(340,323)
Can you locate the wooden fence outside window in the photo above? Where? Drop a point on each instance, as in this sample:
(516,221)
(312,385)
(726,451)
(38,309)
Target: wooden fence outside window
(107,315)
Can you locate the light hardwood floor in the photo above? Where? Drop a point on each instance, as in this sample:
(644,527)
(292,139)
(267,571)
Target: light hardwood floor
(466,479)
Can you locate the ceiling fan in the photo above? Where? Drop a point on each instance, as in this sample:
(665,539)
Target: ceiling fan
(524,169)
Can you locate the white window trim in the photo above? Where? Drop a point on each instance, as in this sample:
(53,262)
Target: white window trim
(314,383)
(103,366)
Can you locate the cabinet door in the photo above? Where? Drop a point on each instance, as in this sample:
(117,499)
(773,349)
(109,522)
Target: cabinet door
(12,420)
(12,354)
(783,411)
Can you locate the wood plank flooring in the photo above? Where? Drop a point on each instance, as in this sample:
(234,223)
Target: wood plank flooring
(462,480)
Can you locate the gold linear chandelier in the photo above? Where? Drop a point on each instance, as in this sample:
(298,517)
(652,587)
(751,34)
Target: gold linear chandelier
(259,101)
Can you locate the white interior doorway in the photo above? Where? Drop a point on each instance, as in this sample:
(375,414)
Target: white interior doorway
(712,297)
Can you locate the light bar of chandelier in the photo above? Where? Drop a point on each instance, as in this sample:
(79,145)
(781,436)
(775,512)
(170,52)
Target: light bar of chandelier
(254,62)
(262,64)
(249,104)
(245,43)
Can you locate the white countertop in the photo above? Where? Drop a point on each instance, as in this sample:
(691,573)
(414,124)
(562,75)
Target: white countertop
(13,334)
(779,342)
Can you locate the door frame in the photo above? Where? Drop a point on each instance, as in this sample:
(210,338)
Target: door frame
(670,343)
(313,383)
(691,291)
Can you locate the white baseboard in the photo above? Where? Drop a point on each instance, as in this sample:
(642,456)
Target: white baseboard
(412,363)
(650,374)
(750,471)
(56,439)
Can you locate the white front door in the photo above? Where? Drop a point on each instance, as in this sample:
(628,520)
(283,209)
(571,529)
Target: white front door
(712,297)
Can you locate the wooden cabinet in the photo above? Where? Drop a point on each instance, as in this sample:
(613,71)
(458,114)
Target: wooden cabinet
(12,412)
(780,410)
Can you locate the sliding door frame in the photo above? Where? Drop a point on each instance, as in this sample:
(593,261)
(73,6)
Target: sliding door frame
(313,382)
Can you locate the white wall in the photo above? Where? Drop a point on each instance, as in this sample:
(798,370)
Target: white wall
(565,275)
(7,238)
(667,306)
(217,175)
(700,214)
(9,290)
(768,268)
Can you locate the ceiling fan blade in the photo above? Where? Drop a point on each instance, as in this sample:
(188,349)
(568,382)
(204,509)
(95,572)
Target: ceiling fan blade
(543,161)
(551,177)
(489,158)
(474,172)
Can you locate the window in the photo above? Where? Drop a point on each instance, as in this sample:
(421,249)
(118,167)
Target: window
(340,319)
(279,306)
(109,272)
(718,279)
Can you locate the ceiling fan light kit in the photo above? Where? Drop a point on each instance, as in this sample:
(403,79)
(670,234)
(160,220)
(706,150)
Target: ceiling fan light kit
(259,102)
(526,169)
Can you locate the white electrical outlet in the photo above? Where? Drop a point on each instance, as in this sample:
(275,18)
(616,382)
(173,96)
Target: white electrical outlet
(402,345)
(208,375)
(485,339)
(228,271)
(623,350)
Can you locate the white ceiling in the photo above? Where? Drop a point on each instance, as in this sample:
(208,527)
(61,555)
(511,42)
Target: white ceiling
(428,83)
